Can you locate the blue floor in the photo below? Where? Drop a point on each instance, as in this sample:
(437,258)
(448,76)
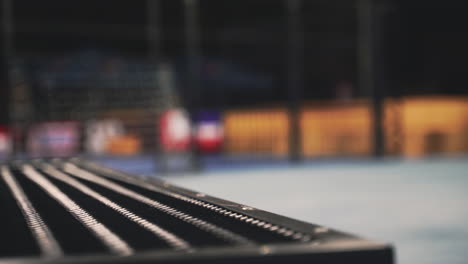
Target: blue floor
(149,165)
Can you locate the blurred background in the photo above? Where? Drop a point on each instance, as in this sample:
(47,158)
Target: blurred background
(351,113)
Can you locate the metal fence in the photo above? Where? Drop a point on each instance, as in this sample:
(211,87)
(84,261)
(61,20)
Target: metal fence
(193,81)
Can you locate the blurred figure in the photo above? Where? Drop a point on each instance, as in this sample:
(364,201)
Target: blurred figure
(5,142)
(100,132)
(344,91)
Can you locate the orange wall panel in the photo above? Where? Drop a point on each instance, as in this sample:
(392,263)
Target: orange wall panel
(413,126)
(257,131)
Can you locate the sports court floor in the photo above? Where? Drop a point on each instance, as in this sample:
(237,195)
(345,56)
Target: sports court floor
(421,206)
